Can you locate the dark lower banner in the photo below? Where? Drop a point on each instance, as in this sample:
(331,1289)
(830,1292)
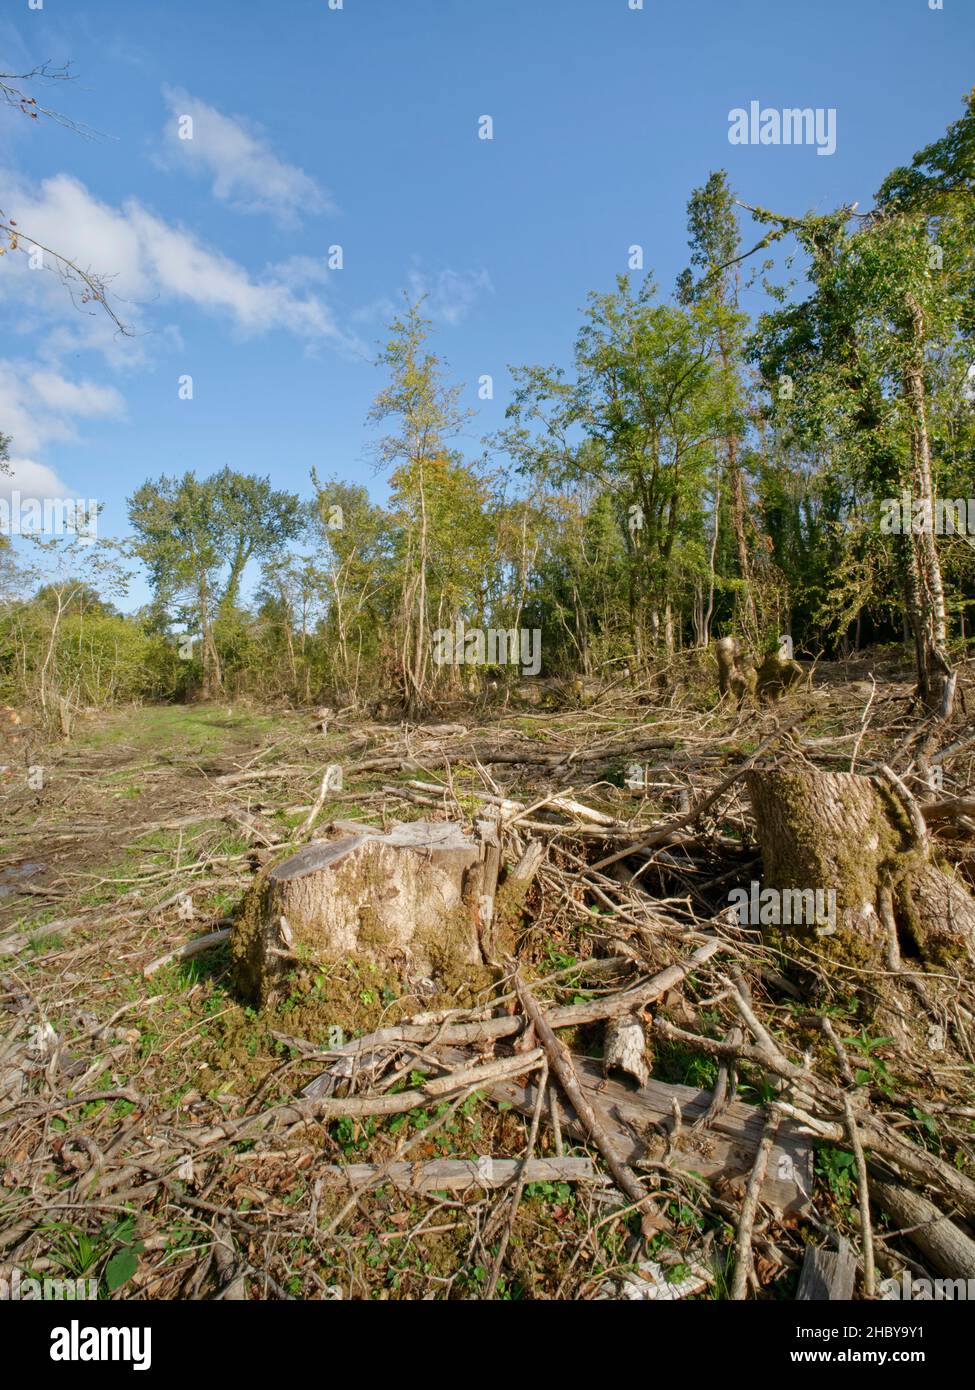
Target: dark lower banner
(215,1339)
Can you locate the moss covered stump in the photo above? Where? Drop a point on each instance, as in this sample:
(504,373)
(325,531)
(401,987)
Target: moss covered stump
(850,834)
(406,900)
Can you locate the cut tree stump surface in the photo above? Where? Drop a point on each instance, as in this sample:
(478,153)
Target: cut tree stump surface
(438,841)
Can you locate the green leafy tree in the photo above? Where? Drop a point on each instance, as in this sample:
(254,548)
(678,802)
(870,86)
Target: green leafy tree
(638,423)
(866,351)
(196,538)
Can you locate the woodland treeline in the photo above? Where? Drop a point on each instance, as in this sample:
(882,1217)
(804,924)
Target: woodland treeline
(686,472)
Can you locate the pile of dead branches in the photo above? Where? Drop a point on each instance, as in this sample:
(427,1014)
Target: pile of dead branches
(790,1131)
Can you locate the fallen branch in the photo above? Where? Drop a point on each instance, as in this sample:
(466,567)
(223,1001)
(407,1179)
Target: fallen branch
(749,1208)
(192,948)
(561,1064)
(863,1196)
(459,1174)
(317,1109)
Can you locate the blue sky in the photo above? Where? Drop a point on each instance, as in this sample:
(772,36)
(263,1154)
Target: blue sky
(358,127)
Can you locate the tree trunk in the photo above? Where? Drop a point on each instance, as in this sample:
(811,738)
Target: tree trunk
(669,641)
(52,642)
(406,901)
(936,679)
(736,490)
(705,635)
(212,675)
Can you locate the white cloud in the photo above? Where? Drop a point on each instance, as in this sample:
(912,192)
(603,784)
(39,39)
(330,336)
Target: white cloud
(31,479)
(247,175)
(151,266)
(145,258)
(301,270)
(75,397)
(39,407)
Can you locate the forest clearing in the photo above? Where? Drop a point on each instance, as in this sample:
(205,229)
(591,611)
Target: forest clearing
(487,669)
(199,1146)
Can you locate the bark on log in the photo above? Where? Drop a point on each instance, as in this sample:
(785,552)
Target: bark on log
(835,831)
(938,1239)
(401,900)
(596,1129)
(641,1124)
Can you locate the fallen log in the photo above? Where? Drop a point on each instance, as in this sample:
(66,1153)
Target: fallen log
(586,1111)
(946,1247)
(469,1077)
(934,811)
(876,1135)
(19,941)
(744,1264)
(192,948)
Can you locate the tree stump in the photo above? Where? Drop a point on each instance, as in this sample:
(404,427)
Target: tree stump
(736,670)
(406,900)
(776,675)
(843,832)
